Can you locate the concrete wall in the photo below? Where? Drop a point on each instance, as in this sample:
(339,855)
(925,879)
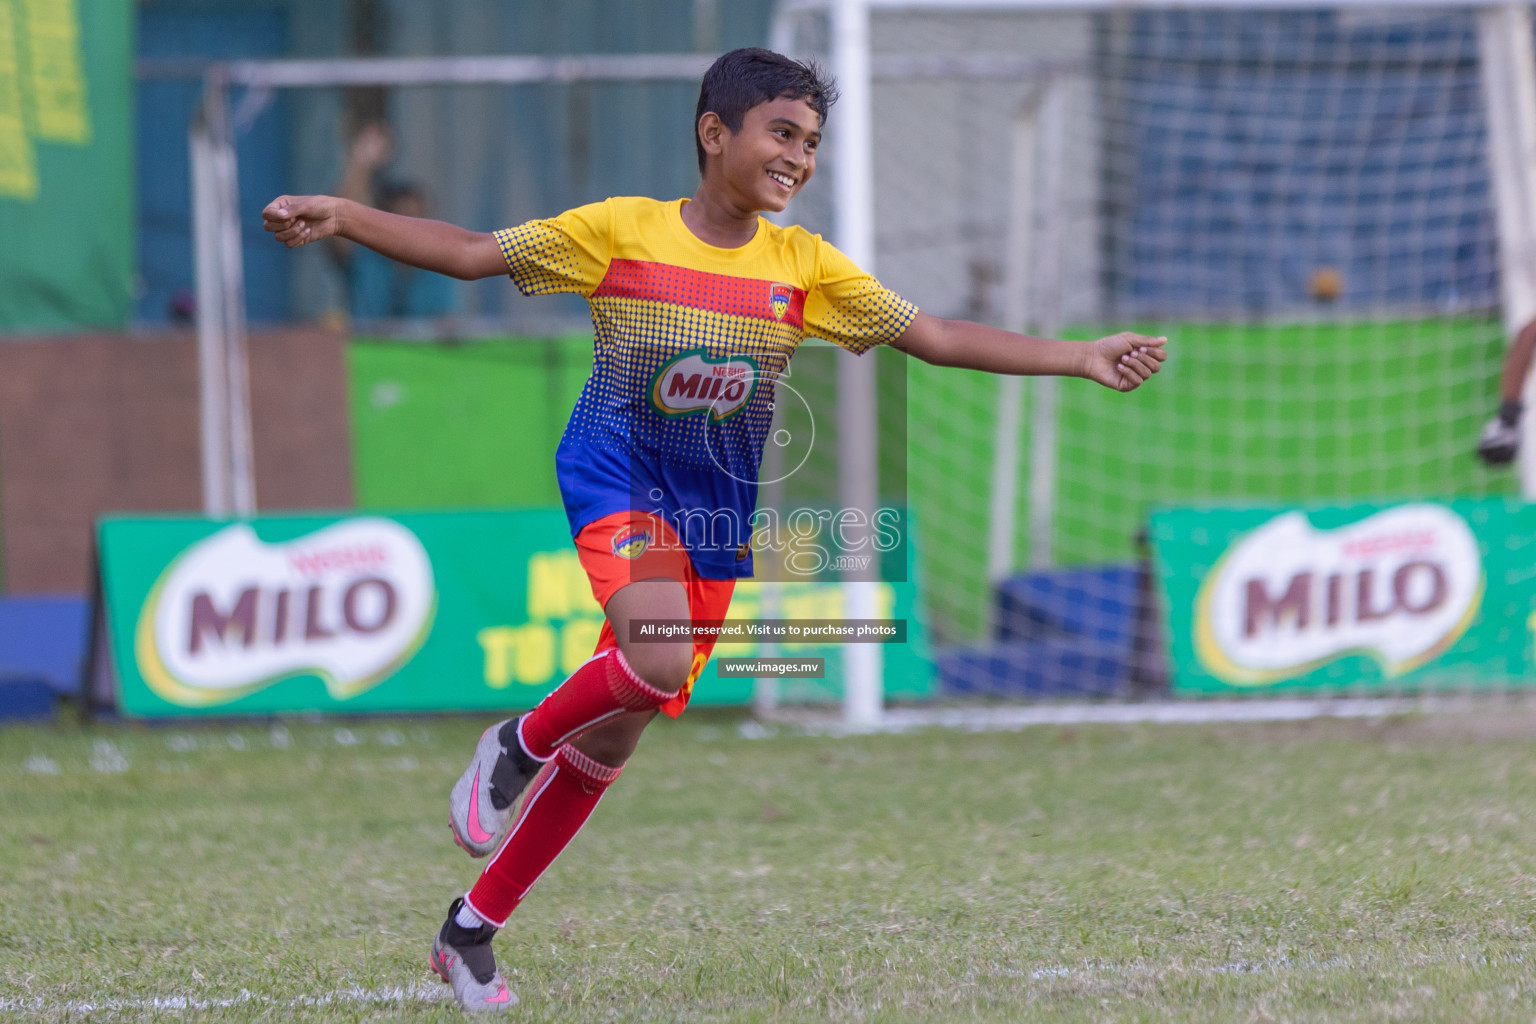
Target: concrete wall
(109,423)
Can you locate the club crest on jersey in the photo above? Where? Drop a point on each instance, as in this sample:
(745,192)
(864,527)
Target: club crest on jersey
(631,542)
(778,297)
(694,382)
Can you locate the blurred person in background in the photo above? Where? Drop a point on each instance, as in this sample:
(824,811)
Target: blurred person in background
(1500,440)
(379,288)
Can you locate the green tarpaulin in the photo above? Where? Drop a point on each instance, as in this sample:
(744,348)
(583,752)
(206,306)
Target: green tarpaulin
(66,181)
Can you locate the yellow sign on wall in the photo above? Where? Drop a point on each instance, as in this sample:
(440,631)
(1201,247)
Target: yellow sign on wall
(42,88)
(564,620)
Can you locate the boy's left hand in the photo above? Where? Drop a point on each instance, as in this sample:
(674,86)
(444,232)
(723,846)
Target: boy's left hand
(1122,361)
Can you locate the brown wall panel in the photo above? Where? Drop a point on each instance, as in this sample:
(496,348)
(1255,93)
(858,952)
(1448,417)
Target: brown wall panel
(109,423)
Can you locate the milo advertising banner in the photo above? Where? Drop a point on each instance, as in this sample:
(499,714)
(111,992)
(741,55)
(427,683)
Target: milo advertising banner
(1417,595)
(373,613)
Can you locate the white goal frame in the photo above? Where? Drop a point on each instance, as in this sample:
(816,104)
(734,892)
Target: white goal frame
(1509,89)
(229,487)
(1508,72)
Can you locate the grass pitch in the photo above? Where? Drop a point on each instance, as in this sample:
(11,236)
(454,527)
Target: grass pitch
(1318,872)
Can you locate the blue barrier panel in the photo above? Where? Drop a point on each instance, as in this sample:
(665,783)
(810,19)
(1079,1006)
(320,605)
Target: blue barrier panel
(45,638)
(26,699)
(1095,602)
(1051,667)
(1059,633)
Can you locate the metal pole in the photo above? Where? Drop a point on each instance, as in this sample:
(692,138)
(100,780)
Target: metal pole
(858,437)
(242,458)
(207,256)
(1047,295)
(766,692)
(781,29)
(229,477)
(1010,390)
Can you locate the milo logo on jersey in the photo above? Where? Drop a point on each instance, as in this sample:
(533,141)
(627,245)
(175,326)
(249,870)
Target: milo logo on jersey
(694,382)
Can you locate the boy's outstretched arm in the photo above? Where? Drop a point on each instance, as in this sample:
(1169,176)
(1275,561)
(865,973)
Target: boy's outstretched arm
(427,244)
(1120,361)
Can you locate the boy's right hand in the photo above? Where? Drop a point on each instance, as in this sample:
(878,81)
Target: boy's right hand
(299,220)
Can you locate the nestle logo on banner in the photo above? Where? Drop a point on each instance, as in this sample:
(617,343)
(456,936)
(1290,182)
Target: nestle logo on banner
(1400,586)
(349,603)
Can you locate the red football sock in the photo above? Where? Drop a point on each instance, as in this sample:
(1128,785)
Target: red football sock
(602,688)
(559,801)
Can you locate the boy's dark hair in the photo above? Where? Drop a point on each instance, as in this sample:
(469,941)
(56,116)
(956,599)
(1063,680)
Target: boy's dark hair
(741,79)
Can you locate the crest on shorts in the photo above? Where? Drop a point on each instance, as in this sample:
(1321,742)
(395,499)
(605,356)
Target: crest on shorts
(631,542)
(778,298)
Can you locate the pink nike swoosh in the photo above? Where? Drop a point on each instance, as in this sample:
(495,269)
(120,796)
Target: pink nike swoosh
(501,996)
(476,833)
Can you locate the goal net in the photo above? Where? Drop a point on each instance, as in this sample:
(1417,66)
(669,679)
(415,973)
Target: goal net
(1302,200)
(1308,202)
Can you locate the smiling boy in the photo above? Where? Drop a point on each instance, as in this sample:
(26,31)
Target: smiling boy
(698,304)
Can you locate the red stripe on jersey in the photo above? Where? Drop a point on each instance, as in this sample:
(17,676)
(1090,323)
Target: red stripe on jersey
(698,289)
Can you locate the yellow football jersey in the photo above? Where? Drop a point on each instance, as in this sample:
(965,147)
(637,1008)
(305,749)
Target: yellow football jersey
(690,342)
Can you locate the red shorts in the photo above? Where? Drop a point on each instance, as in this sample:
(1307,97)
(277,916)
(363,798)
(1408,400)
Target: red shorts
(626,547)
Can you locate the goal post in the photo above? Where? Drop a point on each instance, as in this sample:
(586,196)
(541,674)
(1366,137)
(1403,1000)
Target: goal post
(1389,149)
(1509,85)
(228,466)
(229,486)
(1078,170)
(228,462)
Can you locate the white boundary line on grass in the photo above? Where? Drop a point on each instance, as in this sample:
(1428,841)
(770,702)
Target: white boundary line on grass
(354,996)
(437,993)
(1187,712)
(1141,968)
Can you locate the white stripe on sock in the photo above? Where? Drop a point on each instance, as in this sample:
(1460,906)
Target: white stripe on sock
(524,743)
(583,727)
(466,917)
(528,803)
